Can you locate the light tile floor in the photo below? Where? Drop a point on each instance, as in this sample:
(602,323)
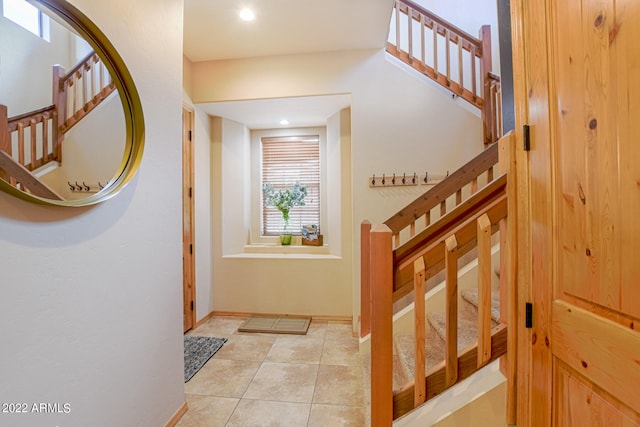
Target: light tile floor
(278,380)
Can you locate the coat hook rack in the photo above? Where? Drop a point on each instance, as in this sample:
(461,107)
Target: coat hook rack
(83,187)
(393,180)
(405,180)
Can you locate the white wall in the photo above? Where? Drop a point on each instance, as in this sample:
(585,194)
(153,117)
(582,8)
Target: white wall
(26,63)
(91,305)
(470,16)
(399,123)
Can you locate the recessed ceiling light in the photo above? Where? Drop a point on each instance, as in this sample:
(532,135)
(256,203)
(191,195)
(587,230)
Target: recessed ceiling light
(247,15)
(284,122)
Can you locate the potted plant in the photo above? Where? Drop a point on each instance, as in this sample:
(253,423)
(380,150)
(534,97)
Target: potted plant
(284,199)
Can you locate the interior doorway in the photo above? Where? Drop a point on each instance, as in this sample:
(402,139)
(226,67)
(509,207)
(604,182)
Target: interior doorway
(188,258)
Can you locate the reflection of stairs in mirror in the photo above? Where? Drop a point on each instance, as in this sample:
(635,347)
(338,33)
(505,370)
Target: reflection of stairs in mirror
(31,143)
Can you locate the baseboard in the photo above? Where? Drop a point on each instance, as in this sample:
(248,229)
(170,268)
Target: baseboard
(204,319)
(177,416)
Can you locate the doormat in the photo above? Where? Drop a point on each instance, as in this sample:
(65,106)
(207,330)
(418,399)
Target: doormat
(277,325)
(197,351)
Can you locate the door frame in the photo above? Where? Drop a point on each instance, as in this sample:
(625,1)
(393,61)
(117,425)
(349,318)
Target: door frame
(188,226)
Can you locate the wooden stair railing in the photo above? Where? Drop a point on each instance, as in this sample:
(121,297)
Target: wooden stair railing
(449,56)
(33,139)
(470,224)
(80,90)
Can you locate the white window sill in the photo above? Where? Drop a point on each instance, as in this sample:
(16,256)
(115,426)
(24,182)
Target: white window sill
(289,251)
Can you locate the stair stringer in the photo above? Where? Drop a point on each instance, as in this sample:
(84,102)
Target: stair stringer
(479,400)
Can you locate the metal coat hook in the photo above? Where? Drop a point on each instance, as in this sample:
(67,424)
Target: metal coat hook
(404,178)
(393,180)
(373,181)
(426,177)
(71,186)
(100,185)
(86,187)
(383,179)
(414,179)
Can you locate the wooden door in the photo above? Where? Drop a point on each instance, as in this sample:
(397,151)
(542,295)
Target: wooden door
(578,88)
(188,258)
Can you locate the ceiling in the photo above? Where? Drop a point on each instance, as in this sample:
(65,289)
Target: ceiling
(213,30)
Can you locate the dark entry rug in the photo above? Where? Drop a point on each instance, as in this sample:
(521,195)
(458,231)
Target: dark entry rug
(197,351)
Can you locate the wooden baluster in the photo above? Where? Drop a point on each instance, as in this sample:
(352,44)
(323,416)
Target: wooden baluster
(427,218)
(21,143)
(56,145)
(447,44)
(485,70)
(45,138)
(34,142)
(460,66)
(410,32)
(420,383)
(435,49)
(412,229)
(85,95)
(473,72)
(451,271)
(397,7)
(422,43)
(459,197)
(484,289)
(381,326)
(396,240)
(443,208)
(365,279)
(474,185)
(490,174)
(5,137)
(74,96)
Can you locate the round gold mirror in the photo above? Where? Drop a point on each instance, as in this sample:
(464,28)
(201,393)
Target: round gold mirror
(71,122)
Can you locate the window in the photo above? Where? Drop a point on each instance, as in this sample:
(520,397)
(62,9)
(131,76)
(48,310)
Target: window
(27,16)
(286,160)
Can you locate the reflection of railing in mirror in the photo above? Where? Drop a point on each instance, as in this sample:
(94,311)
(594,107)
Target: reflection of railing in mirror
(38,135)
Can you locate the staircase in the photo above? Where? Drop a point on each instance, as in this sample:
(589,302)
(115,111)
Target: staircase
(456,222)
(34,139)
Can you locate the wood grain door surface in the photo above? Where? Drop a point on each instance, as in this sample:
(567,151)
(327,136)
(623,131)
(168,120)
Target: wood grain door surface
(582,189)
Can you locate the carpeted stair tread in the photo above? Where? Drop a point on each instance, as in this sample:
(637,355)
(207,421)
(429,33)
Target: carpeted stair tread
(405,348)
(467,329)
(471,296)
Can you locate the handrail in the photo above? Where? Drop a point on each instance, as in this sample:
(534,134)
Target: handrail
(451,57)
(462,183)
(437,249)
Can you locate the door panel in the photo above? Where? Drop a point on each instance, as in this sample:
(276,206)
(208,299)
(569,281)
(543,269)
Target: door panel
(582,98)
(597,195)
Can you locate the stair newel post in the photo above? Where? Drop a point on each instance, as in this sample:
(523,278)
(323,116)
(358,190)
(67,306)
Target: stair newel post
(365,278)
(381,326)
(5,140)
(451,271)
(60,102)
(484,290)
(420,383)
(485,70)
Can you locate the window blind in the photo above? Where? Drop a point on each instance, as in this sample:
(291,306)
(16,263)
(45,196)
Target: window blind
(286,160)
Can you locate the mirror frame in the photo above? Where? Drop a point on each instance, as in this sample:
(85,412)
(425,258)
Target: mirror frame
(131,105)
